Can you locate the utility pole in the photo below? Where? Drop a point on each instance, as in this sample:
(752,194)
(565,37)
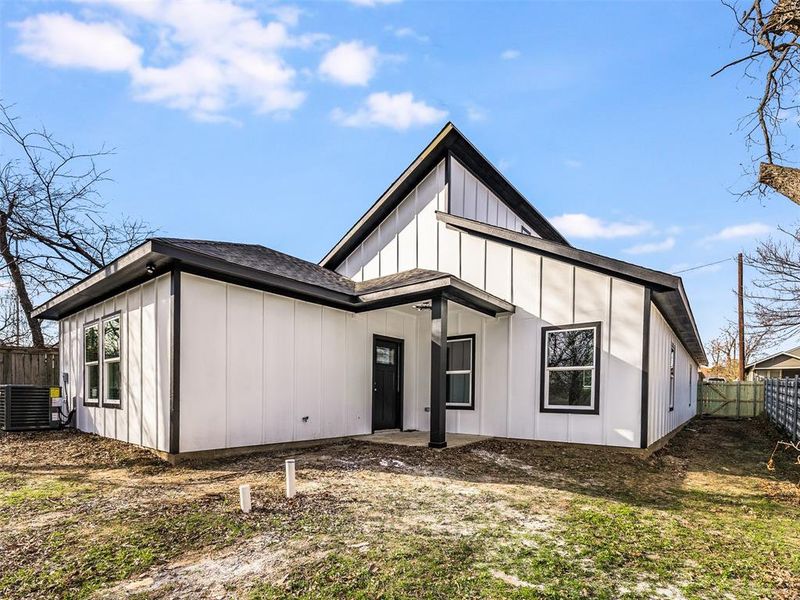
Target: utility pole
(740,259)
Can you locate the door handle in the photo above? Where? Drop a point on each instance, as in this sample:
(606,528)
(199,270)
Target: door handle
(374,386)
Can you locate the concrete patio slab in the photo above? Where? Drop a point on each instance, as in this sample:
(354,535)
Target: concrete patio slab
(419,438)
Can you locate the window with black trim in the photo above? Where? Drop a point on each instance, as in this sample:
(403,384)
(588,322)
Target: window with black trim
(570,369)
(102,370)
(461,372)
(112,379)
(672,376)
(91,364)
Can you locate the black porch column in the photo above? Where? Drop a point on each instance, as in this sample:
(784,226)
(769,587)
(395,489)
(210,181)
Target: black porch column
(438,372)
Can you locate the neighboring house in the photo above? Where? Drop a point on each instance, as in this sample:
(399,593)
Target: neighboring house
(782,364)
(184,345)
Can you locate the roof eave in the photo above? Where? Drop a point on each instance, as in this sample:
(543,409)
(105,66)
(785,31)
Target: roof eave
(662,284)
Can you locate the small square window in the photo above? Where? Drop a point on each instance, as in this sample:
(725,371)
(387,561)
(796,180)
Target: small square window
(384,356)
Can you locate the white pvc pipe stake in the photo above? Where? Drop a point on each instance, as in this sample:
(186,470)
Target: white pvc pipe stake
(244,498)
(290,478)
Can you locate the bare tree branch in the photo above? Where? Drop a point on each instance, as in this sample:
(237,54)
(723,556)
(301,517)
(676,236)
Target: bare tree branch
(54,228)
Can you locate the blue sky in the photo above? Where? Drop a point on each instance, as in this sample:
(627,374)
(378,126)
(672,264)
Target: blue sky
(280,124)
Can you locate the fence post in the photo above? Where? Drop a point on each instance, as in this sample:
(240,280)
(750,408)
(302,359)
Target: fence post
(738,399)
(794,428)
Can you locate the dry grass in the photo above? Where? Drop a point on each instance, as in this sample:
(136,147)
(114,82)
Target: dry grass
(84,516)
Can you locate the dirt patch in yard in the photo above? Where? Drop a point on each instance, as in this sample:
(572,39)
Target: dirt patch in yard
(84,516)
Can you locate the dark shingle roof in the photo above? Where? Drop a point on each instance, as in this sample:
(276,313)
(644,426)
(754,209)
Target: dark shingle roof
(258,266)
(389,282)
(267,260)
(271,261)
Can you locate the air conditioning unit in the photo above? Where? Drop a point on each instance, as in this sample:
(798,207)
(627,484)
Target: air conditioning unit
(25,408)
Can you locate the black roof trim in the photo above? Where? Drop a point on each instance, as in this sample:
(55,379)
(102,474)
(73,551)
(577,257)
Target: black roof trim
(268,270)
(669,295)
(451,140)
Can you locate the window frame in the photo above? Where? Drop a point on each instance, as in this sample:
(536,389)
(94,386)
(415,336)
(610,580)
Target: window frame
(101,401)
(92,402)
(671,367)
(471,406)
(105,402)
(544,406)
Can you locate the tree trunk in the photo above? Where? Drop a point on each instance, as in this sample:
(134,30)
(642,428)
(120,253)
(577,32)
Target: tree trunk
(15,273)
(784,180)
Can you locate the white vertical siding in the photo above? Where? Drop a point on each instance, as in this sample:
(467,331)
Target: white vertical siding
(278,381)
(624,365)
(408,237)
(662,420)
(245,363)
(412,237)
(257,368)
(145,365)
(471,199)
(508,357)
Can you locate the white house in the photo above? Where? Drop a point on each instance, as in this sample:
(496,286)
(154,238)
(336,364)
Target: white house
(186,345)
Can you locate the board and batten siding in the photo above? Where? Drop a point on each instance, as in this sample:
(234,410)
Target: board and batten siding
(145,364)
(662,420)
(508,353)
(412,237)
(546,292)
(259,368)
(470,199)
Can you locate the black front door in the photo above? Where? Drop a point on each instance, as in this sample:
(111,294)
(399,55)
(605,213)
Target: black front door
(387,377)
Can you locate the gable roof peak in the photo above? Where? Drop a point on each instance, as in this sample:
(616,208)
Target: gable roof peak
(448,141)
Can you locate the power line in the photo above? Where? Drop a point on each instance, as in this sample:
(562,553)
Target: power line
(702,266)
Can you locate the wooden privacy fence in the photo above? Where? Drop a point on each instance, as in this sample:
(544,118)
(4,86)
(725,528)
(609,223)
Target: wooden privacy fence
(782,405)
(35,366)
(734,399)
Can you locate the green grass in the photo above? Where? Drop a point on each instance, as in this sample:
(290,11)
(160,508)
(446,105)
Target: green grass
(77,562)
(704,521)
(411,566)
(701,544)
(41,492)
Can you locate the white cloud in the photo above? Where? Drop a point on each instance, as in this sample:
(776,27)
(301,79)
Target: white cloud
(397,111)
(739,231)
(207,56)
(651,247)
(573,163)
(476,113)
(60,40)
(510,54)
(580,225)
(407,32)
(372,3)
(350,63)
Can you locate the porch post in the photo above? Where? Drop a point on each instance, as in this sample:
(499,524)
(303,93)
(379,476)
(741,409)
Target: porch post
(438,372)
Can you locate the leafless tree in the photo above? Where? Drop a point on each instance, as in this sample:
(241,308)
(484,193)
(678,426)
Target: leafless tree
(775,290)
(54,229)
(770,31)
(722,350)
